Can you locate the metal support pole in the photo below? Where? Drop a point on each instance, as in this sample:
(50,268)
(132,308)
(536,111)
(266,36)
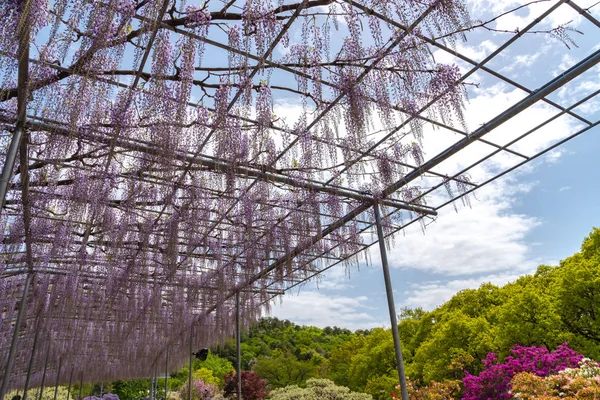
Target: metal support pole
(35,339)
(15,143)
(151,387)
(70,382)
(156,381)
(81,386)
(57,378)
(101,390)
(44,374)
(15,338)
(166,372)
(238,349)
(191,362)
(391,306)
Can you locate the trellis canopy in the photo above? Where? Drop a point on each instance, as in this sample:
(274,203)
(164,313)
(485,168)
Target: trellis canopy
(173,154)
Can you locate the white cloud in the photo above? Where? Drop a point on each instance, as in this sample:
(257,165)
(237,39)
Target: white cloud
(521,18)
(319,309)
(429,295)
(489,237)
(522,61)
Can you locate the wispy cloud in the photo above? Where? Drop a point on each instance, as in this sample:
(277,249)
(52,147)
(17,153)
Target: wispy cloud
(319,309)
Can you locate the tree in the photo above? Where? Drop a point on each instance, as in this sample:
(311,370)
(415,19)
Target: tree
(285,369)
(218,365)
(454,335)
(131,390)
(578,292)
(530,316)
(253,387)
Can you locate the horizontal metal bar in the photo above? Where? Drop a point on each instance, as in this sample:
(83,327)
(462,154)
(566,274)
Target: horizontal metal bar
(218,165)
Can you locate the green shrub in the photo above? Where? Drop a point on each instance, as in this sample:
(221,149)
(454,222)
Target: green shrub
(317,389)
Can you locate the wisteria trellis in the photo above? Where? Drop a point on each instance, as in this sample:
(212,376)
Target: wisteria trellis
(155,181)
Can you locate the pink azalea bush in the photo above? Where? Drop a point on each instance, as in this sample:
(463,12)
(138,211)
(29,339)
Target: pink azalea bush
(568,384)
(200,390)
(494,382)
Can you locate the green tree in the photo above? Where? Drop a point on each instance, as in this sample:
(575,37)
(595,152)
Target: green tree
(131,390)
(285,369)
(453,334)
(578,292)
(218,365)
(529,316)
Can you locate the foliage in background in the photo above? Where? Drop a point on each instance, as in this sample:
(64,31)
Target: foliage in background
(568,384)
(317,389)
(217,365)
(253,387)
(271,337)
(132,390)
(447,390)
(200,390)
(47,394)
(285,369)
(535,310)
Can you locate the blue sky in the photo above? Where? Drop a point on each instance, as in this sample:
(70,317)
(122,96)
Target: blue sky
(536,215)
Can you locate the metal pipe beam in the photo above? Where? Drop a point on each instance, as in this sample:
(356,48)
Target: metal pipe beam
(58,378)
(166,373)
(31,358)
(23,78)
(70,382)
(44,373)
(542,92)
(191,361)
(15,338)
(219,165)
(389,291)
(238,349)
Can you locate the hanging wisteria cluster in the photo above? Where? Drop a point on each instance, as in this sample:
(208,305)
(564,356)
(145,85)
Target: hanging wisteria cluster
(159,180)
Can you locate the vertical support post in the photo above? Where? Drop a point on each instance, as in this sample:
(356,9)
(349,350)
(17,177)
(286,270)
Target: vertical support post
(44,374)
(151,388)
(80,386)
(191,362)
(156,381)
(391,306)
(23,77)
(70,382)
(238,349)
(35,339)
(57,378)
(101,390)
(15,339)
(166,372)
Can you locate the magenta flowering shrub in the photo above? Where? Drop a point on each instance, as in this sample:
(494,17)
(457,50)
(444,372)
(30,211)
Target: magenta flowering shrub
(494,381)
